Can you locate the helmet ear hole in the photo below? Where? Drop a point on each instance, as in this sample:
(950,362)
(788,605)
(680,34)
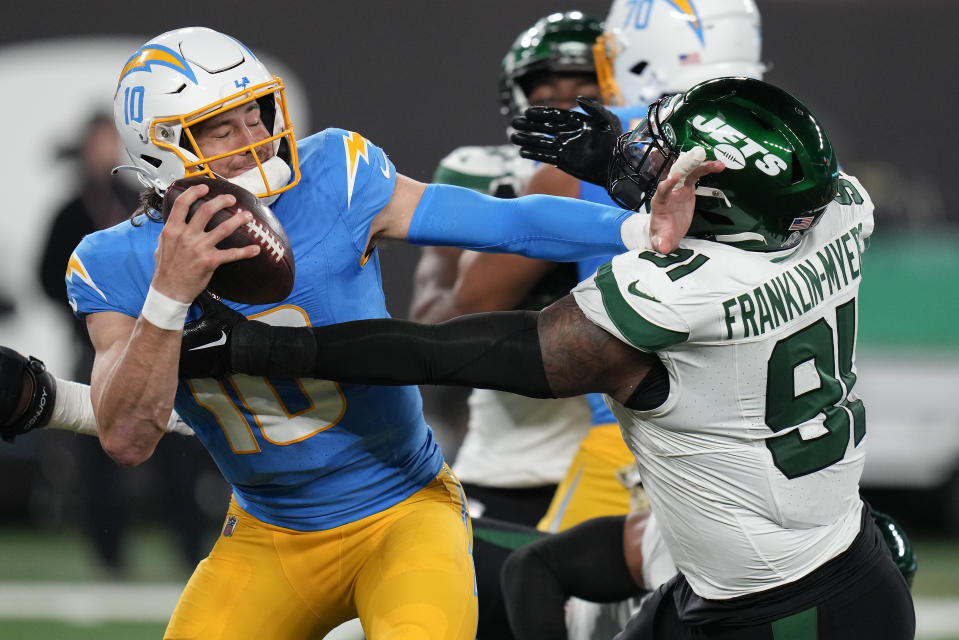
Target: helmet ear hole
(638,68)
(156,162)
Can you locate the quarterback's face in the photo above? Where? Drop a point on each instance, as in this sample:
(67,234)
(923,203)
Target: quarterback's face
(239,128)
(560,90)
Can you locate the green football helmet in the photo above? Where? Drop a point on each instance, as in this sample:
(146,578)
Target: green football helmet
(558,43)
(780,173)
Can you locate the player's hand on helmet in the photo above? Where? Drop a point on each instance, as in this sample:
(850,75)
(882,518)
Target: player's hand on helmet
(205,347)
(186,254)
(673,203)
(27,394)
(581,144)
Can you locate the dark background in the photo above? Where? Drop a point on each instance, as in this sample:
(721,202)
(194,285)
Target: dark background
(419,77)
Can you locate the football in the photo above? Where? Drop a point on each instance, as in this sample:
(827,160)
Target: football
(262,279)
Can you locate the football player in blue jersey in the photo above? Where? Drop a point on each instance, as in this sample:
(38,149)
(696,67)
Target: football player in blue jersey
(342,505)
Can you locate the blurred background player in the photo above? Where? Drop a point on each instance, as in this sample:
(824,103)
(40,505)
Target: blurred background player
(515,449)
(101,201)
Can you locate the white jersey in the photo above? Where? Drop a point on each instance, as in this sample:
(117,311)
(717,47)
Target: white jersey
(512,441)
(752,464)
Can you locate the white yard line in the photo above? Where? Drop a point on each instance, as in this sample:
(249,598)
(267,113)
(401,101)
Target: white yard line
(93,602)
(90,602)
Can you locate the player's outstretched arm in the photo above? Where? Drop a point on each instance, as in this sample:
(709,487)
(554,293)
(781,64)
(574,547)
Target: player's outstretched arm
(554,353)
(558,229)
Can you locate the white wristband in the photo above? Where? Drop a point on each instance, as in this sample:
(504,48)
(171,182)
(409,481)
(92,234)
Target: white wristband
(164,312)
(72,410)
(635,232)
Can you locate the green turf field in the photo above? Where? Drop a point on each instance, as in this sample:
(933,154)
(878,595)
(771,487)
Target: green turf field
(52,630)
(51,589)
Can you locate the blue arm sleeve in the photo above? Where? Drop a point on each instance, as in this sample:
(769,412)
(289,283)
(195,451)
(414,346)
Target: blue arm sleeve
(537,226)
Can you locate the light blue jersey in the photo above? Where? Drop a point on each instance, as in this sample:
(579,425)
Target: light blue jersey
(630,117)
(299,453)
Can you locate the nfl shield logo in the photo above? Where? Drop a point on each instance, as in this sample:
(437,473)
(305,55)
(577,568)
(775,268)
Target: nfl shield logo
(229,526)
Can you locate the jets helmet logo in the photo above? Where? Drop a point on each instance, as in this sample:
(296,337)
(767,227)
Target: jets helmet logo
(737,148)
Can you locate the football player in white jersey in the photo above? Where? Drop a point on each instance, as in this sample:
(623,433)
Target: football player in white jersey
(726,342)
(516,449)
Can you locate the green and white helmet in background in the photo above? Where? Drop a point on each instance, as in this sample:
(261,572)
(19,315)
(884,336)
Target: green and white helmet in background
(780,173)
(558,43)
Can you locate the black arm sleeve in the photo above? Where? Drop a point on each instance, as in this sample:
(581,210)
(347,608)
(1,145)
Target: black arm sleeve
(585,561)
(488,350)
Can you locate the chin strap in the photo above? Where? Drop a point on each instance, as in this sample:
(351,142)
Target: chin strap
(278,174)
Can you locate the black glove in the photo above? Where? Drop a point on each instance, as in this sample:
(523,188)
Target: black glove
(581,144)
(27,394)
(205,349)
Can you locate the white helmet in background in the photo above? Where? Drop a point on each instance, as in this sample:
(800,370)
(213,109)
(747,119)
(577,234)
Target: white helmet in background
(186,76)
(655,47)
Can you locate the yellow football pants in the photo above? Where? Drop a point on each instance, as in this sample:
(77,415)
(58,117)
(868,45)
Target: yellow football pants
(407,572)
(591,488)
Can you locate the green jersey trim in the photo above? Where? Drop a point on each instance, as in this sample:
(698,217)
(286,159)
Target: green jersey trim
(445,175)
(639,331)
(799,626)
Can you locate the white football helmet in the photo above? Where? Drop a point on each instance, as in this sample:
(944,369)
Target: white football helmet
(186,76)
(656,47)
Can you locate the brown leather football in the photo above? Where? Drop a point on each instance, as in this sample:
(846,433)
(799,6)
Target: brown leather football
(262,279)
